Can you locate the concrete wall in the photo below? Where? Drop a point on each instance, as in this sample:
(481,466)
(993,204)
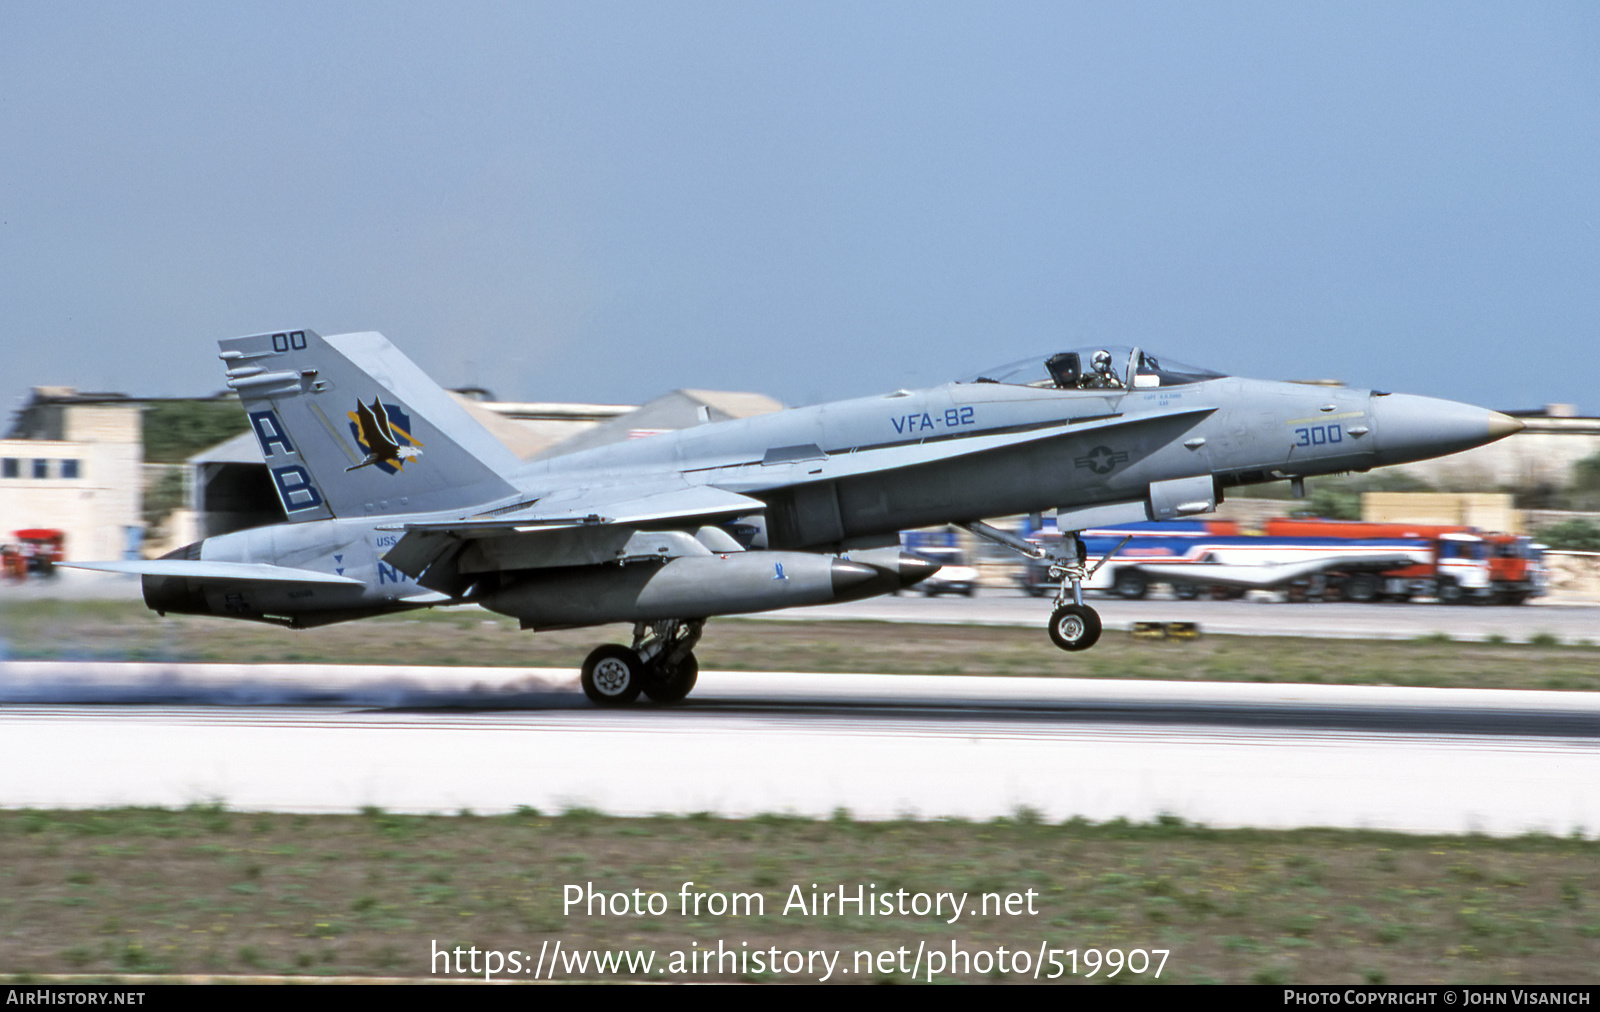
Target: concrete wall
(97,507)
(1487,511)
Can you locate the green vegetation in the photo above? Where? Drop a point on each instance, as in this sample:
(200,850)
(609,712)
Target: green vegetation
(208,891)
(161,497)
(176,430)
(125,630)
(1574,535)
(1585,491)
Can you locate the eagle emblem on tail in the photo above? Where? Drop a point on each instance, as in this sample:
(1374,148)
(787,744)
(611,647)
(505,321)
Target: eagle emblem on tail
(376,434)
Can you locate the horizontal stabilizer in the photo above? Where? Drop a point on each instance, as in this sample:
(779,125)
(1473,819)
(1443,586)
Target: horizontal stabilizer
(251,572)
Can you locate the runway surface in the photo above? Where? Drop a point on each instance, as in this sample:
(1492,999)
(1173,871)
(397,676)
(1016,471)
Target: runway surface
(444,739)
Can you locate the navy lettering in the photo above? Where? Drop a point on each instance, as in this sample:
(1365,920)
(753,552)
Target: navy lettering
(295,488)
(269,432)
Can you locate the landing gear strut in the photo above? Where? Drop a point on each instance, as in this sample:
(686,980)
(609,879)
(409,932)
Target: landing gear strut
(661,664)
(1073,624)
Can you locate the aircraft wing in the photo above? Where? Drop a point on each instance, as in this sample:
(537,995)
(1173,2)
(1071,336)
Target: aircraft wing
(623,505)
(1268,575)
(250,572)
(569,528)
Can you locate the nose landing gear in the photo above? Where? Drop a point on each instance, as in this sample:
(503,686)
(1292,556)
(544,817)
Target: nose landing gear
(1073,624)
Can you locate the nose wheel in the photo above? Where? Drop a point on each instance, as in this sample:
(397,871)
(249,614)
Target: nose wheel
(1075,627)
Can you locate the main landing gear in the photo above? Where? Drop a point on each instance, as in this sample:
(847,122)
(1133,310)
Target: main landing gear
(1073,624)
(660,664)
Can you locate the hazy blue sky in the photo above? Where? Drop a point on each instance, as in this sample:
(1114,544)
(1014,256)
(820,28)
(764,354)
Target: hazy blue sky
(603,201)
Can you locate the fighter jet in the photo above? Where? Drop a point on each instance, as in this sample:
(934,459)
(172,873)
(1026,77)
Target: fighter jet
(640,531)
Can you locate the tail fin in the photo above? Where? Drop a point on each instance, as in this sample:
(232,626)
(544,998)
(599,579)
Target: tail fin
(350,427)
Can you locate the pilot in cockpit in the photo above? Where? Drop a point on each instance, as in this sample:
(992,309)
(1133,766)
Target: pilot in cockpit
(1102,378)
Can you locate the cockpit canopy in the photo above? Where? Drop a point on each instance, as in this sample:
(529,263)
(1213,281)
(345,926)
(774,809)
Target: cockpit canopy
(1106,368)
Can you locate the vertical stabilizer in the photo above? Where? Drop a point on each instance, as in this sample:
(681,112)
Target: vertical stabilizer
(350,427)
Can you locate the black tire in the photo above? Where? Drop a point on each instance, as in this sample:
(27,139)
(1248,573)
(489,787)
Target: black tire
(672,686)
(1185,591)
(613,675)
(1075,627)
(1361,587)
(1449,591)
(1131,585)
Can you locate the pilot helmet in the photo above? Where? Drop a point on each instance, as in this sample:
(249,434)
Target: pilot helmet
(1101,361)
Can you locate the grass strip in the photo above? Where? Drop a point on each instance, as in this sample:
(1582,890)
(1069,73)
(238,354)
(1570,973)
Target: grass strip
(119,630)
(209,891)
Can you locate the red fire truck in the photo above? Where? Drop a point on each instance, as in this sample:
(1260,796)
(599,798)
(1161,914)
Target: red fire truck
(34,553)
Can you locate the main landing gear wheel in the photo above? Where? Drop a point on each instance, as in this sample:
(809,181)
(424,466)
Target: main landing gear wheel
(613,675)
(671,686)
(1075,627)
(665,650)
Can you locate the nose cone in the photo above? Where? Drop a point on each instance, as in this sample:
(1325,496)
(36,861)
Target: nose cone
(1418,428)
